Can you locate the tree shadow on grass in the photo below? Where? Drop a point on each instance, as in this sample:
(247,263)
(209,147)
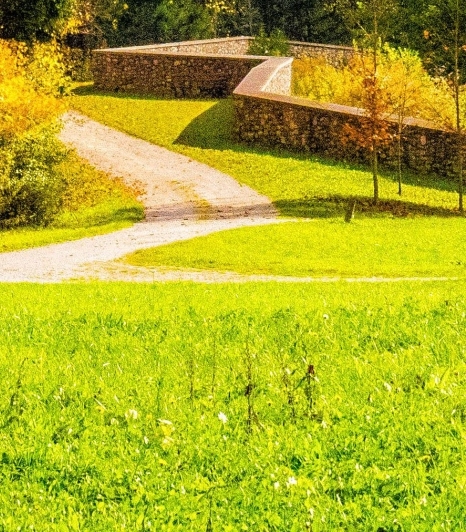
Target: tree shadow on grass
(213,129)
(336,207)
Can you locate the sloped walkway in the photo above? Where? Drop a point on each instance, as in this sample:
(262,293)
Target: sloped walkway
(182,199)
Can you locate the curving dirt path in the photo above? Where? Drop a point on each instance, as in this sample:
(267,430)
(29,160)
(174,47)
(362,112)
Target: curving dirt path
(182,199)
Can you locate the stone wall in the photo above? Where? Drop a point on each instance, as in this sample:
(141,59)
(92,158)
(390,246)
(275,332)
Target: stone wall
(170,75)
(265,113)
(279,120)
(335,55)
(227,46)
(192,69)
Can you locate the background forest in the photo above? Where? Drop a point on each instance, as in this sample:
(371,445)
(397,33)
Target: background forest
(407,23)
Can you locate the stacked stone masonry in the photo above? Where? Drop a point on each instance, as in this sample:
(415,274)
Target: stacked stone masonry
(265,113)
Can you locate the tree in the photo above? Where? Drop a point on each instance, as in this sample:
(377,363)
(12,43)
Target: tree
(446,34)
(370,20)
(407,85)
(304,20)
(33,19)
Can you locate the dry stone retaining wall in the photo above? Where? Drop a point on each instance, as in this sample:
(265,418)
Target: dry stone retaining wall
(265,112)
(191,69)
(170,75)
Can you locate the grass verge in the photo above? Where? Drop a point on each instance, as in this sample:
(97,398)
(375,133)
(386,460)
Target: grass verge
(367,247)
(94,204)
(259,407)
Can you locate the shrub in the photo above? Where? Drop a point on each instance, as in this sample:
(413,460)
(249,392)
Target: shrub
(274,44)
(31,190)
(400,74)
(29,186)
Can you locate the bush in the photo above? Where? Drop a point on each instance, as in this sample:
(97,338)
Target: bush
(274,44)
(30,190)
(401,76)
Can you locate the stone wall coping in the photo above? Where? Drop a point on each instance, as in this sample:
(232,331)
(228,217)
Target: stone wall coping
(159,48)
(254,84)
(171,44)
(261,75)
(227,57)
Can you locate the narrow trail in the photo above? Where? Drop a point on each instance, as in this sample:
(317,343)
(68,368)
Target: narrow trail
(182,199)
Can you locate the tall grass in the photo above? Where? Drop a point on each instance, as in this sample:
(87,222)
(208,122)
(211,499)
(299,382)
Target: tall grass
(184,407)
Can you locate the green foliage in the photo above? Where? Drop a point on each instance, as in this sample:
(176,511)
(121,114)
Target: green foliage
(274,44)
(31,189)
(147,22)
(33,19)
(371,21)
(127,404)
(182,20)
(309,20)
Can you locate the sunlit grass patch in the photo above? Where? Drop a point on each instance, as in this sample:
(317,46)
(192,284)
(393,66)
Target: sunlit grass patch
(266,407)
(321,248)
(94,203)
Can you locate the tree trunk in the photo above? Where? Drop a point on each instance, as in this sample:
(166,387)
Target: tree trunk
(399,146)
(375,175)
(459,125)
(460,173)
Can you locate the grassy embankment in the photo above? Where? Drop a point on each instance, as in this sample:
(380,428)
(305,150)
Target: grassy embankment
(408,236)
(252,407)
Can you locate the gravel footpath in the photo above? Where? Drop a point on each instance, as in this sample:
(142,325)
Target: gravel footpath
(182,198)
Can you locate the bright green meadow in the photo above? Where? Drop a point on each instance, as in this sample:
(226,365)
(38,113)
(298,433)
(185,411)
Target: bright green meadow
(424,247)
(299,185)
(416,234)
(268,407)
(265,407)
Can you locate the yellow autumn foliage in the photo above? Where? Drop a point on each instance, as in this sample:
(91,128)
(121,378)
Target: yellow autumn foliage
(30,188)
(25,101)
(407,88)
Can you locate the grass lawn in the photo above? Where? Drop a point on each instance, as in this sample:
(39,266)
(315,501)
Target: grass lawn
(367,247)
(261,407)
(408,236)
(299,185)
(94,204)
(268,407)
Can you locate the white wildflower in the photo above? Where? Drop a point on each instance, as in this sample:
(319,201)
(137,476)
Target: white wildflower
(131,414)
(223,418)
